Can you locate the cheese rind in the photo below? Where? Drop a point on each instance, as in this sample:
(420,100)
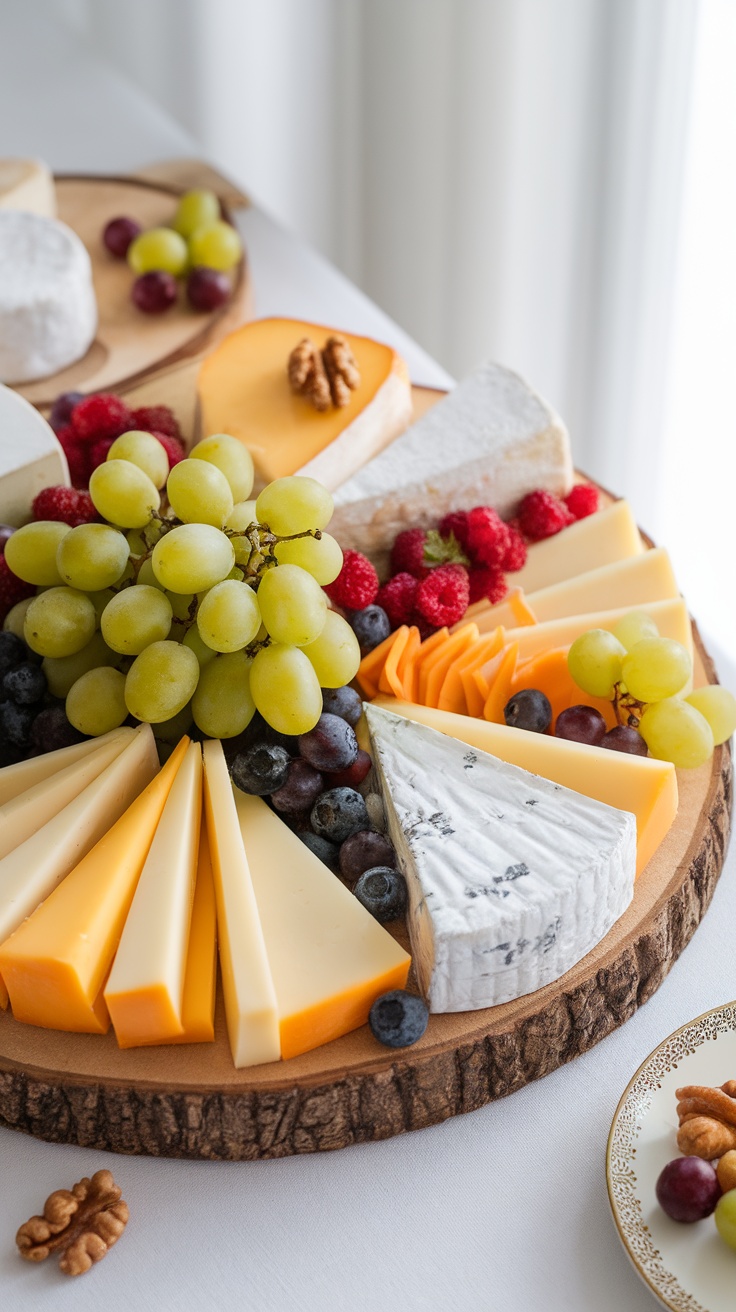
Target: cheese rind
(330,959)
(491,441)
(30,457)
(609,535)
(512,879)
(16,779)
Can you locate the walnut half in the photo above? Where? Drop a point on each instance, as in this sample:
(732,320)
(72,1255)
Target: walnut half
(81,1224)
(324,378)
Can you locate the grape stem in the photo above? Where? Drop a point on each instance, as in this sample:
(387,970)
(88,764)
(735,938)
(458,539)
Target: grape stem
(627,709)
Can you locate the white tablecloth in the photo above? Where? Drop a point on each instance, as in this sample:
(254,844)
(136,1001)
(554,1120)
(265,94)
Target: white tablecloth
(502,1209)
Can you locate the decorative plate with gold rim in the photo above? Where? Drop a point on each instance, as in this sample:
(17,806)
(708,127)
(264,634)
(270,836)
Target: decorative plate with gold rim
(688,1267)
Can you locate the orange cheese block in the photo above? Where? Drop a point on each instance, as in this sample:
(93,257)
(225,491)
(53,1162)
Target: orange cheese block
(405,662)
(371,666)
(452,693)
(500,685)
(548,672)
(513,612)
(389,681)
(244,390)
(484,650)
(424,655)
(437,667)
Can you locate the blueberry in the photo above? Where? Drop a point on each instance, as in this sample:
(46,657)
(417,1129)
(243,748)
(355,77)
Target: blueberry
(327,852)
(338,813)
(370,625)
(382,891)
(261,770)
(13,650)
(51,730)
(345,702)
(330,745)
(398,1018)
(364,851)
(15,723)
(528,709)
(25,685)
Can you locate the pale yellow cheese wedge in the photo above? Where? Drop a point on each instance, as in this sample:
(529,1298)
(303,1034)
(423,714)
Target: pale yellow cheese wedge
(330,959)
(15,779)
(32,871)
(200,977)
(639,784)
(671,618)
(609,535)
(144,991)
(57,961)
(632,584)
(22,816)
(251,1009)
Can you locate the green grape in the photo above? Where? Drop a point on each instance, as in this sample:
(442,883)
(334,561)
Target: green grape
(31,552)
(199,493)
(232,459)
(59,622)
(63,671)
(229,616)
(236,573)
(99,601)
(158,249)
(192,557)
(335,654)
(135,618)
(170,731)
(92,557)
(147,576)
(145,451)
(216,245)
(95,704)
(675,731)
(242,515)
(656,668)
(725,1217)
(633,627)
(223,704)
(181,604)
(294,504)
(123,494)
(286,689)
(718,705)
(141,540)
(594,661)
(193,640)
(195,209)
(15,618)
(292,604)
(320,557)
(161,681)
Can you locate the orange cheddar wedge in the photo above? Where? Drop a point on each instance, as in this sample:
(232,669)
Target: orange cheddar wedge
(436,668)
(500,686)
(389,681)
(371,666)
(405,663)
(426,653)
(475,658)
(513,612)
(548,672)
(244,389)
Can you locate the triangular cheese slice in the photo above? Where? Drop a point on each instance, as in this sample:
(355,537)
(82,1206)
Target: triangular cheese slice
(512,879)
(609,535)
(15,779)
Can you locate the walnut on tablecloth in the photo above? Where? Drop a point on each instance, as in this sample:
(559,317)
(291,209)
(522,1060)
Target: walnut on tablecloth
(81,1224)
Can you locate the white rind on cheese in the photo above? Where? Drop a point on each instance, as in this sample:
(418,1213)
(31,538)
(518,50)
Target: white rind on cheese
(48,312)
(27,184)
(30,457)
(490,441)
(512,879)
(377,425)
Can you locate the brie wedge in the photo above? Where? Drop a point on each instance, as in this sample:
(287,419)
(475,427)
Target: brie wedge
(30,457)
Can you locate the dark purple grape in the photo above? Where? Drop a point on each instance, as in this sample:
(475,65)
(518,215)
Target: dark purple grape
(382,891)
(301,788)
(688,1189)
(398,1018)
(154,292)
(51,730)
(355,773)
(15,723)
(365,850)
(13,650)
(118,234)
(624,739)
(528,709)
(25,684)
(330,745)
(61,410)
(6,531)
(207,289)
(327,852)
(338,813)
(370,625)
(345,702)
(260,770)
(581,724)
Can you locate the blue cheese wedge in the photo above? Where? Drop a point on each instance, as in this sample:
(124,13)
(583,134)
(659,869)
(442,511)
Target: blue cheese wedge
(512,879)
(489,442)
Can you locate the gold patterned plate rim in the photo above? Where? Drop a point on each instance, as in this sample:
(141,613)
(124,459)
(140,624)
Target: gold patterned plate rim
(621,1176)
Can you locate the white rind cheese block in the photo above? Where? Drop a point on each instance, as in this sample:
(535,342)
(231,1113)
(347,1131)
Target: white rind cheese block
(512,879)
(27,184)
(30,457)
(48,312)
(489,442)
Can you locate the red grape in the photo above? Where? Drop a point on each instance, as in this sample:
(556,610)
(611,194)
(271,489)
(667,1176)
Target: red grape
(363,851)
(300,789)
(154,292)
(207,288)
(625,739)
(581,724)
(331,745)
(5,532)
(528,709)
(688,1189)
(354,775)
(118,234)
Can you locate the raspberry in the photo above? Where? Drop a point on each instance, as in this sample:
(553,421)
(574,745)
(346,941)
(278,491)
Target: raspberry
(356,585)
(172,446)
(582,500)
(98,451)
(104,415)
(407,553)
(66,504)
(442,598)
(488,536)
(157,419)
(456,523)
(515,554)
(487,582)
(397,598)
(541,515)
(12,589)
(77,456)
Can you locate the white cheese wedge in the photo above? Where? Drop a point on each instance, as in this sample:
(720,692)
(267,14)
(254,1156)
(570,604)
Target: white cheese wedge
(490,441)
(609,535)
(27,184)
(30,457)
(251,1010)
(48,312)
(512,879)
(15,779)
(31,871)
(330,959)
(22,816)
(145,987)
(631,583)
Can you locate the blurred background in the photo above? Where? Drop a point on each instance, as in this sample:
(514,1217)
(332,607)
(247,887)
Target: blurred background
(548,182)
